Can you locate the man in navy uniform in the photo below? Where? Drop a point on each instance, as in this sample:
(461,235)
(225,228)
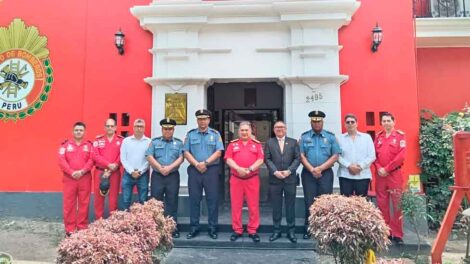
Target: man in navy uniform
(202,148)
(165,155)
(319,150)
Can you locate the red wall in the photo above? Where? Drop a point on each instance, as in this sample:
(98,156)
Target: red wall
(88,76)
(385,80)
(91,79)
(443,79)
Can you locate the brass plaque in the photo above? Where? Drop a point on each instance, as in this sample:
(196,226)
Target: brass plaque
(176,107)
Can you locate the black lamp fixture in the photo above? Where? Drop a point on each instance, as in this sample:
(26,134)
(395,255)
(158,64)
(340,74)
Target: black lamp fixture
(119,41)
(377,36)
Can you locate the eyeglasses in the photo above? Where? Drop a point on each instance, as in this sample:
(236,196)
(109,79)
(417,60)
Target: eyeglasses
(350,122)
(110,126)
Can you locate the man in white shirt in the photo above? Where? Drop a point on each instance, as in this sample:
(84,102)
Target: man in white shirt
(355,160)
(136,166)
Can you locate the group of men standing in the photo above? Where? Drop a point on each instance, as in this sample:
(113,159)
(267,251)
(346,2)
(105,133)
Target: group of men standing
(317,150)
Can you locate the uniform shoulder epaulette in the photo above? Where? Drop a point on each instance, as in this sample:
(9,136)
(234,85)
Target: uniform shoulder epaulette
(400,132)
(192,130)
(65,141)
(156,138)
(329,132)
(235,140)
(380,132)
(177,139)
(213,130)
(255,140)
(88,141)
(306,132)
(99,136)
(119,136)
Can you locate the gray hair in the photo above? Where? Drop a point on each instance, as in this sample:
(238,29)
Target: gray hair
(139,121)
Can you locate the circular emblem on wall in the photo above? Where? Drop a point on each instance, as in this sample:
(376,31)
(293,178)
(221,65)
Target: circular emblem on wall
(25,71)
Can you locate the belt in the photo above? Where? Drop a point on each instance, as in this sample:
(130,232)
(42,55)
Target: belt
(244,178)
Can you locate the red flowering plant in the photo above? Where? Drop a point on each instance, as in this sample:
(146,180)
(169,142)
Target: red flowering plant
(347,227)
(125,237)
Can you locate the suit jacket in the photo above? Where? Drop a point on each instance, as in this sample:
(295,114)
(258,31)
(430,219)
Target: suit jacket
(289,159)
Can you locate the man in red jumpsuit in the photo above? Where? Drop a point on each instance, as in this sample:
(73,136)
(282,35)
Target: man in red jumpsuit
(390,147)
(76,161)
(107,149)
(244,156)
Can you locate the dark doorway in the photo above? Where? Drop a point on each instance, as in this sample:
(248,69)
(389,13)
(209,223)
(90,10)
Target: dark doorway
(261,103)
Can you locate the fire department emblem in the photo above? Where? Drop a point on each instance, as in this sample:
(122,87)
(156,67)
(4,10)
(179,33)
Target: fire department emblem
(25,71)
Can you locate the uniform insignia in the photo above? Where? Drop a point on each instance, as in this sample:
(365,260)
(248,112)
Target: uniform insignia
(95,144)
(85,148)
(62,151)
(325,140)
(394,141)
(69,148)
(118,143)
(380,142)
(211,138)
(402,143)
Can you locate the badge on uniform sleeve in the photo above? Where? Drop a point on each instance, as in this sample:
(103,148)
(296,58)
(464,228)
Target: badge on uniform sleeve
(62,151)
(402,143)
(95,144)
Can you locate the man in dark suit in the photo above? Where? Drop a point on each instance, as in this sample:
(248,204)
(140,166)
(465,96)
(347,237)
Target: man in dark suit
(282,156)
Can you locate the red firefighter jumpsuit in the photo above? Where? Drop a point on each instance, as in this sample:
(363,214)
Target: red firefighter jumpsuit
(244,188)
(105,153)
(390,153)
(74,157)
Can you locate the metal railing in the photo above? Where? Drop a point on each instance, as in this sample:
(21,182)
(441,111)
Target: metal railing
(442,8)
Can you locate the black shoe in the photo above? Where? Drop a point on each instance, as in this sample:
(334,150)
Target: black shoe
(192,234)
(212,234)
(68,234)
(307,236)
(291,236)
(255,237)
(176,234)
(398,241)
(275,236)
(235,236)
(390,238)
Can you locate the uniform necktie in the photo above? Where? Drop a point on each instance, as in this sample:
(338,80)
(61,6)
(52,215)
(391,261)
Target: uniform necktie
(281,144)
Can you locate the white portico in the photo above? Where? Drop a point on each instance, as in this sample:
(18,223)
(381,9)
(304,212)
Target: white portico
(292,42)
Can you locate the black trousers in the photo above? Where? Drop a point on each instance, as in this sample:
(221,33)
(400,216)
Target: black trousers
(350,187)
(276,193)
(209,181)
(314,187)
(166,189)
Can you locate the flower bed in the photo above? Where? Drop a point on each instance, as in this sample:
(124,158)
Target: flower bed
(125,237)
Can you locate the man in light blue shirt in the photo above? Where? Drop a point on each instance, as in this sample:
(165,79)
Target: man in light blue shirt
(357,155)
(136,166)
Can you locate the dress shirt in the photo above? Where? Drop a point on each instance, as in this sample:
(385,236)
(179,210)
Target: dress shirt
(359,151)
(133,154)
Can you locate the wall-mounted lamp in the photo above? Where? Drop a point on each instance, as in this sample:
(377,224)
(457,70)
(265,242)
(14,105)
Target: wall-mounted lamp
(377,36)
(119,41)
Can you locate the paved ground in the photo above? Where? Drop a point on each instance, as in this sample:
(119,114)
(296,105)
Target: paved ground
(34,241)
